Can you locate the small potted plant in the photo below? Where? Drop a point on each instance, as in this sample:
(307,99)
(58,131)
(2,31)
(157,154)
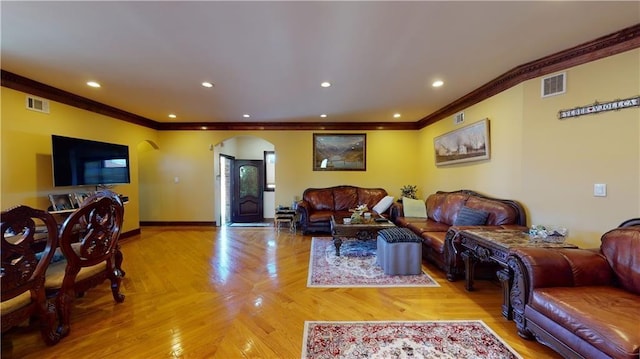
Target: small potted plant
(409,191)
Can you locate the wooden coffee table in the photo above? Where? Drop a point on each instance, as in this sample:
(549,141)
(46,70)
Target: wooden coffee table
(494,245)
(362,231)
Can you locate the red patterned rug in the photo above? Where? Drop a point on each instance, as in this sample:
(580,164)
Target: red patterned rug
(438,339)
(355,267)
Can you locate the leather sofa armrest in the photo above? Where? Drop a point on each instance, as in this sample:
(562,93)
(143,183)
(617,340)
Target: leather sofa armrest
(546,267)
(303,208)
(395,211)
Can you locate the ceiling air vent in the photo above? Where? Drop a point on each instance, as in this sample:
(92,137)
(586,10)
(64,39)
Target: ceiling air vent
(554,85)
(37,104)
(458,118)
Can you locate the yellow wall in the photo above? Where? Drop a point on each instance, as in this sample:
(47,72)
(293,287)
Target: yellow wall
(26,150)
(390,164)
(548,165)
(551,165)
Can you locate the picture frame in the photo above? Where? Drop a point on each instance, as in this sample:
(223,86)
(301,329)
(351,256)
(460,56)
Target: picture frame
(466,144)
(80,197)
(61,202)
(340,152)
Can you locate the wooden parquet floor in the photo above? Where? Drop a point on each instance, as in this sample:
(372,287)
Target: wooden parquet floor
(202,292)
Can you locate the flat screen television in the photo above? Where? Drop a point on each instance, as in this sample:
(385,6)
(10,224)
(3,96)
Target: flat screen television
(79,162)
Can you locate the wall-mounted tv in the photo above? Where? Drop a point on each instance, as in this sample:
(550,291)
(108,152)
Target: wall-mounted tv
(79,162)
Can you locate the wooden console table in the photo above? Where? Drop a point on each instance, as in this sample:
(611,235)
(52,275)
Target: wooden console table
(494,245)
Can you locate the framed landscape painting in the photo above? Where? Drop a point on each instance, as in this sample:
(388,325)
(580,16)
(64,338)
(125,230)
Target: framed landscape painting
(469,143)
(340,152)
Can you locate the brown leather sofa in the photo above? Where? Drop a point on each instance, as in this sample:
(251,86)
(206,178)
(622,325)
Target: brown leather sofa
(440,244)
(583,303)
(318,205)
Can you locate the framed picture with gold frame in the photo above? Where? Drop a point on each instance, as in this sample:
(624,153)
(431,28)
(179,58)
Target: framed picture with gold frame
(340,152)
(469,143)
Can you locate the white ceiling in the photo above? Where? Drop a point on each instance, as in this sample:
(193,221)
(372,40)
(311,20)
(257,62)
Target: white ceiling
(268,59)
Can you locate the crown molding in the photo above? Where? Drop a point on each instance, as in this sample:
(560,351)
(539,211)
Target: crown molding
(615,43)
(612,44)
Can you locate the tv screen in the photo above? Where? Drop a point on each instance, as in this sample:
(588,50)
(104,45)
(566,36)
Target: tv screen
(79,162)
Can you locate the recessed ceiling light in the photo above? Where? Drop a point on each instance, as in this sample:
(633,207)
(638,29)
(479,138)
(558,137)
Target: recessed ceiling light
(325,84)
(396,115)
(246,115)
(93,84)
(437,83)
(207,84)
(323,115)
(203,127)
(171,115)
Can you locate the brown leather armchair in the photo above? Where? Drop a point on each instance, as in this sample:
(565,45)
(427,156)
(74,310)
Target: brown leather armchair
(583,303)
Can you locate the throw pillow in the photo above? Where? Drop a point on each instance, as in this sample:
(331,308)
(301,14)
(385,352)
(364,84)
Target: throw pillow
(414,208)
(383,205)
(471,217)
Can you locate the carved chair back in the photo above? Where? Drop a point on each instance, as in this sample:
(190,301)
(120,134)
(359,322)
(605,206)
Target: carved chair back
(89,241)
(23,268)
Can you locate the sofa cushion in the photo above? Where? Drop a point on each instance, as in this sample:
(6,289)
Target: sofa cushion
(604,316)
(471,217)
(499,212)
(383,205)
(444,207)
(419,225)
(414,208)
(435,240)
(322,216)
(621,247)
(320,199)
(370,196)
(345,198)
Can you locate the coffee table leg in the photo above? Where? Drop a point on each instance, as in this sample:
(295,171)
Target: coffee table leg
(337,242)
(469,268)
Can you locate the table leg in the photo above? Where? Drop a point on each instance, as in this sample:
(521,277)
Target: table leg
(337,241)
(505,280)
(469,268)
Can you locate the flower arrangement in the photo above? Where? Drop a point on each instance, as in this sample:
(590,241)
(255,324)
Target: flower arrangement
(409,191)
(548,233)
(356,217)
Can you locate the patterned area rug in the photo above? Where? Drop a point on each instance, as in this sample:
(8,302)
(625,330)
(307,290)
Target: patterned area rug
(438,339)
(355,267)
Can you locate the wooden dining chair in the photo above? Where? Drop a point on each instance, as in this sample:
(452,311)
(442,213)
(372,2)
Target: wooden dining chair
(23,269)
(88,239)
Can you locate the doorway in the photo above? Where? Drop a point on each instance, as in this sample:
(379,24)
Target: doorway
(226,153)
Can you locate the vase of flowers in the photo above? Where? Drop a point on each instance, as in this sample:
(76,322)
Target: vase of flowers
(409,191)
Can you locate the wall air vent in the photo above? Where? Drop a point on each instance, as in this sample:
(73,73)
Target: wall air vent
(37,104)
(554,85)
(458,118)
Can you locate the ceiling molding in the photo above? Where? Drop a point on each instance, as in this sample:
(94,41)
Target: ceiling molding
(20,83)
(615,43)
(618,42)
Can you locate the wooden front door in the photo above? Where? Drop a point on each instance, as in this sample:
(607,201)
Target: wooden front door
(248,189)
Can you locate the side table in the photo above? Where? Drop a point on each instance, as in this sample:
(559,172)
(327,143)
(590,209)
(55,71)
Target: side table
(494,245)
(286,216)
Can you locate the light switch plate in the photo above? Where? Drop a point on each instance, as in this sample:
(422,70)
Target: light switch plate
(600,190)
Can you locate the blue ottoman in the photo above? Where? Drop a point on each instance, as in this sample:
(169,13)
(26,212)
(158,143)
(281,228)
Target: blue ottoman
(399,251)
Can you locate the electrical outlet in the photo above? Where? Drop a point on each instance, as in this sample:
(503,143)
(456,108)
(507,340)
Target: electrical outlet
(600,190)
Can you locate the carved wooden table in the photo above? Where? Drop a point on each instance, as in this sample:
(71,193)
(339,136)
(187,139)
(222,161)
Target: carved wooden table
(367,230)
(494,245)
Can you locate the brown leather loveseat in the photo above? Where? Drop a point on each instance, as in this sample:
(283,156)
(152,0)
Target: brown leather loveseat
(583,303)
(438,230)
(319,204)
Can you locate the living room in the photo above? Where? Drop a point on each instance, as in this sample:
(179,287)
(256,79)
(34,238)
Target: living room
(550,165)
